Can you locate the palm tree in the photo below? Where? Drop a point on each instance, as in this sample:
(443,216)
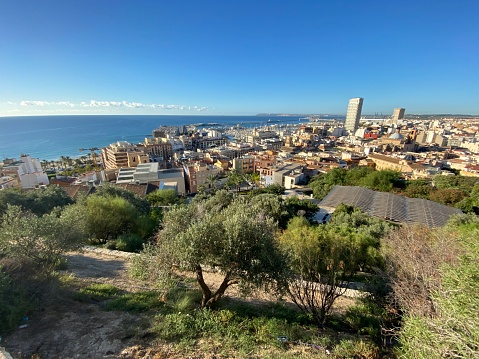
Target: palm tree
(68,161)
(234,179)
(211,181)
(252,178)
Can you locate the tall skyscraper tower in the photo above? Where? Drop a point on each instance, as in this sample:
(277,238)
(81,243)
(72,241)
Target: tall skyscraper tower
(398,114)
(354,114)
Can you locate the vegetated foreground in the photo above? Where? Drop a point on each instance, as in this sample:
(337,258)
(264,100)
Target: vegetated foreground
(68,328)
(79,319)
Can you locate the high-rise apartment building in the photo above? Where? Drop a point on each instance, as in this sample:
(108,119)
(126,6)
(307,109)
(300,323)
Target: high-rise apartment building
(398,114)
(354,114)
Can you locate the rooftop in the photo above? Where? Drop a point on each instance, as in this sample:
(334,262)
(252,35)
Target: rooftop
(390,206)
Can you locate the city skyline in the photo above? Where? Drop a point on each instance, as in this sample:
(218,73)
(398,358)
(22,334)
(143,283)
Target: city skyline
(238,58)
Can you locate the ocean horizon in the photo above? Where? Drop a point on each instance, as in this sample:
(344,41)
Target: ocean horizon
(49,137)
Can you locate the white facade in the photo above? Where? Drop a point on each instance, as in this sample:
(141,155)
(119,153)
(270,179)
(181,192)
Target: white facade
(29,171)
(354,114)
(8,182)
(149,172)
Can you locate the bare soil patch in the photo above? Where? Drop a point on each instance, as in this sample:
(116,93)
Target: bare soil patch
(66,328)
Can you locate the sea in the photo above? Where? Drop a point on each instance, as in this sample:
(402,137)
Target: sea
(49,137)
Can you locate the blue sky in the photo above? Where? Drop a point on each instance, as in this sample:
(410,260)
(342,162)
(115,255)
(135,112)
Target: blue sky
(238,57)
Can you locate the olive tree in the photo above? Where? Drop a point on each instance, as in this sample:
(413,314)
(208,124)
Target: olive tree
(40,241)
(236,240)
(39,201)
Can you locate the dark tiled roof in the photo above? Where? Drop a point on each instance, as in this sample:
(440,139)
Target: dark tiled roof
(74,190)
(138,189)
(390,206)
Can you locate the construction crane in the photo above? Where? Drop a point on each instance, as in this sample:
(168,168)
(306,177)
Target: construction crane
(94,156)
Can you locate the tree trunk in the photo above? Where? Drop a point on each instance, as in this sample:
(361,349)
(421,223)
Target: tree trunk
(221,291)
(204,287)
(209,298)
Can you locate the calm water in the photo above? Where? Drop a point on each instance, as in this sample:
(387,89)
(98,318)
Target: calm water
(49,137)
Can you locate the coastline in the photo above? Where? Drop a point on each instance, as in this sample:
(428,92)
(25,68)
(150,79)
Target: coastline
(50,137)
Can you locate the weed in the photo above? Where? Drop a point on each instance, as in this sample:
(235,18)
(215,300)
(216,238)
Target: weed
(96,293)
(353,348)
(360,319)
(181,299)
(135,302)
(14,303)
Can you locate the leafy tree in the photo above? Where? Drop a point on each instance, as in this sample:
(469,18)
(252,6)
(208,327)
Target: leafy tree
(459,182)
(163,197)
(109,216)
(39,201)
(325,258)
(471,203)
(296,206)
(234,180)
(355,175)
(139,203)
(447,196)
(40,241)
(237,240)
(349,218)
(323,183)
(380,180)
(215,202)
(359,176)
(417,189)
(270,189)
(271,204)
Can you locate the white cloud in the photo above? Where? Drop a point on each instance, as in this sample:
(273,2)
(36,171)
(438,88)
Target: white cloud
(26,103)
(126,104)
(95,105)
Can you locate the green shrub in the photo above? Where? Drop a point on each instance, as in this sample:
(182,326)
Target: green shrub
(353,348)
(111,245)
(135,302)
(183,300)
(97,293)
(360,319)
(14,303)
(129,242)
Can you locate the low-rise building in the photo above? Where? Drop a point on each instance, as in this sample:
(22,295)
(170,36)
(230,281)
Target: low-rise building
(287,175)
(150,172)
(25,173)
(244,164)
(123,154)
(199,175)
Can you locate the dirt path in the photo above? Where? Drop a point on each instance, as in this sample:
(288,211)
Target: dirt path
(65,328)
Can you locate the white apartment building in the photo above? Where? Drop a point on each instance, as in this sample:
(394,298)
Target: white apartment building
(27,172)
